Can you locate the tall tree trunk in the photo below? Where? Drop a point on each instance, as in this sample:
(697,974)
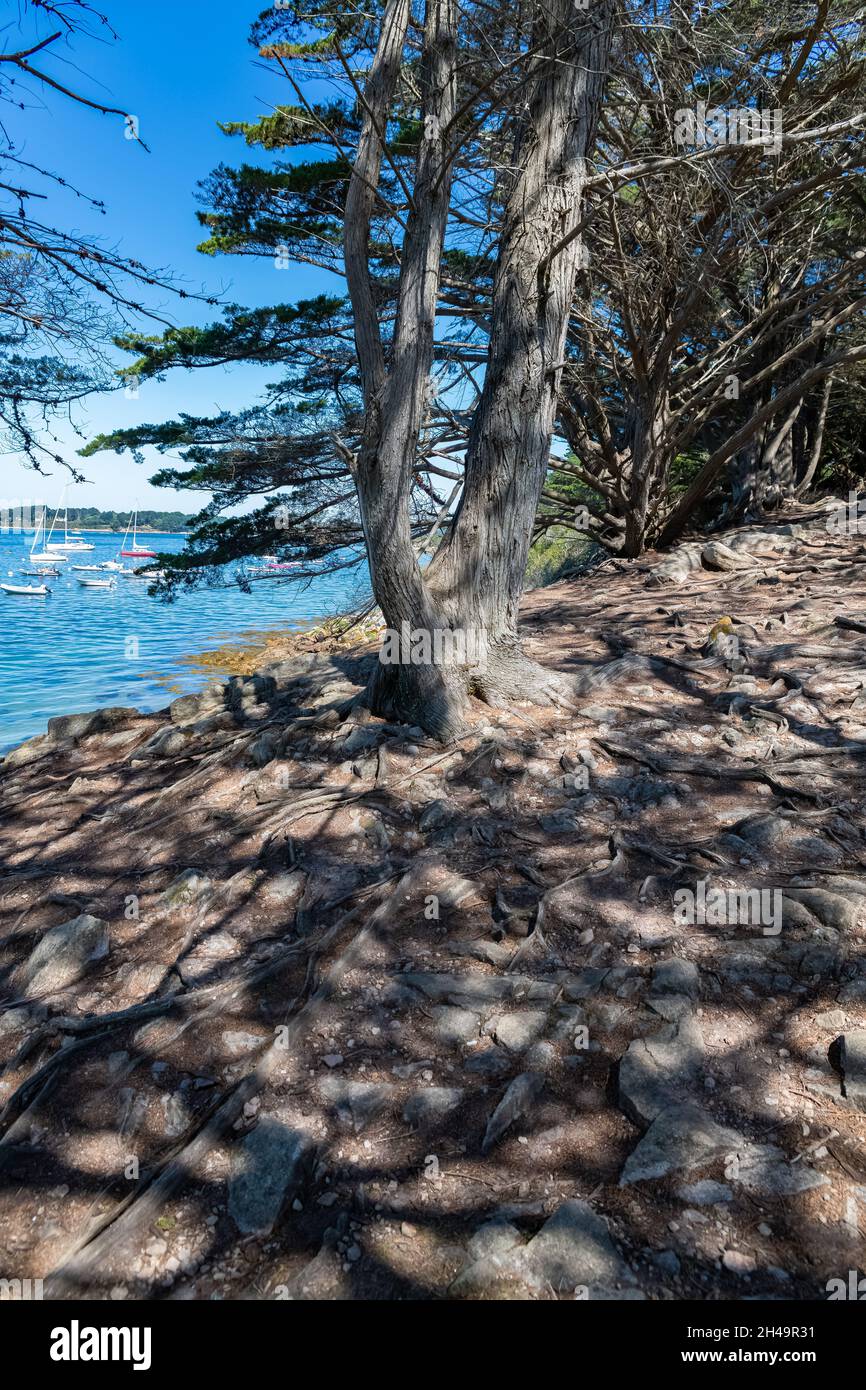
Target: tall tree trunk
(395,397)
(475,582)
(809,466)
(648,463)
(477,575)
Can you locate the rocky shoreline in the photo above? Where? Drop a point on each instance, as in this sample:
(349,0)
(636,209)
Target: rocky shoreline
(296,1004)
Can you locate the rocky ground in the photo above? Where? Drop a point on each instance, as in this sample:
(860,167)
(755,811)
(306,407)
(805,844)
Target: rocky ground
(296,1004)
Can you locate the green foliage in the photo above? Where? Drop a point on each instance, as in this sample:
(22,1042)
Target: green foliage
(556,554)
(288,126)
(245,335)
(95,518)
(685,469)
(317,49)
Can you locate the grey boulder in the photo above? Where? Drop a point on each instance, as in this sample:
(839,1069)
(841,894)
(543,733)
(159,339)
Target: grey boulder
(64,954)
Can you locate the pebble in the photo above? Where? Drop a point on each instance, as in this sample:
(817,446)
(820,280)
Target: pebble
(705,1193)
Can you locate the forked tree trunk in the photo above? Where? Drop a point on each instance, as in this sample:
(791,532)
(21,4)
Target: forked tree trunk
(474,584)
(648,466)
(813,440)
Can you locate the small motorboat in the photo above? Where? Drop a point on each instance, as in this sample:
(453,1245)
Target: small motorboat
(42,573)
(106,567)
(271,567)
(97,583)
(26,590)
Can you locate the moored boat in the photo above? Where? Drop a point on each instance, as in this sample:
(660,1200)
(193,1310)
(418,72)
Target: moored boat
(271,567)
(26,590)
(135,551)
(72,541)
(46,556)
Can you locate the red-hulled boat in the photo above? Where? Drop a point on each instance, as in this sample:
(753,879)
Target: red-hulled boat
(136,552)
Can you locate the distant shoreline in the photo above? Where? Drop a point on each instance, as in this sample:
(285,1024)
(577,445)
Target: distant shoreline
(97,531)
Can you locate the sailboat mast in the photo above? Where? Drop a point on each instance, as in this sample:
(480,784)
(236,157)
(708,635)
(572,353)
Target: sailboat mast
(40,526)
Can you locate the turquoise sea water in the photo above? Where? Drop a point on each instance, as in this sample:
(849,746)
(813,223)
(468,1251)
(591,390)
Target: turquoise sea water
(81,648)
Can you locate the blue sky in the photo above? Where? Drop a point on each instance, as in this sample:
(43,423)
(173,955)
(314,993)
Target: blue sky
(179,67)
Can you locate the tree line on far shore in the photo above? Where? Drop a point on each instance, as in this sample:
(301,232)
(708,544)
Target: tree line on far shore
(93,518)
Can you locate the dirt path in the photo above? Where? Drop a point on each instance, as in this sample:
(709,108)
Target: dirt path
(344,1014)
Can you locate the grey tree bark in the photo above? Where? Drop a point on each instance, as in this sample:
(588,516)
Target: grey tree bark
(475,581)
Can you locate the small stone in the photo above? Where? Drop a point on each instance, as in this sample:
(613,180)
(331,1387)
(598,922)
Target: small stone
(357,1103)
(851,1050)
(516,1103)
(541,1057)
(656,1070)
(237,1044)
(680,1138)
(676,976)
(492,1240)
(436,813)
(573,1250)
(518,1031)
(705,1193)
(431,1106)
(267,1166)
(333,1059)
(763,1169)
(491,1064)
(738,1263)
(454,1026)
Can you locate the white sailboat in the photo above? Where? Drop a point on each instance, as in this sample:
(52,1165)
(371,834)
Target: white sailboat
(45,556)
(136,551)
(71,541)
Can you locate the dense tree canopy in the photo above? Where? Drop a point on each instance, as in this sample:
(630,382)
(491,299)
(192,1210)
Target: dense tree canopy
(716,329)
